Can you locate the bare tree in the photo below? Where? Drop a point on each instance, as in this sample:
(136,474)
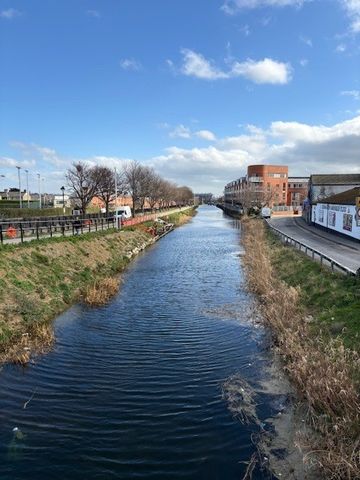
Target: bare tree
(184,195)
(133,174)
(83,181)
(106,188)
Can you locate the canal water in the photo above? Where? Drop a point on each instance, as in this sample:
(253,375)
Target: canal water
(134,389)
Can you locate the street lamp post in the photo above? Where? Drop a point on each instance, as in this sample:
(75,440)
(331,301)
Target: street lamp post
(19,176)
(116,194)
(43,191)
(63,195)
(2,176)
(27,188)
(39,181)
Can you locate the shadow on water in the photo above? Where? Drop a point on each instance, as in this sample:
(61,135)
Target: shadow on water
(134,389)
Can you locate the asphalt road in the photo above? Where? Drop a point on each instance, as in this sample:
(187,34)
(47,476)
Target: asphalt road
(340,249)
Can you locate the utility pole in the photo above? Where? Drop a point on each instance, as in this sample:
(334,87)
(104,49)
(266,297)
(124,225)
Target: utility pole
(27,188)
(19,176)
(39,180)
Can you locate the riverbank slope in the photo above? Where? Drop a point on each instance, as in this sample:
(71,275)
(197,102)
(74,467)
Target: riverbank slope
(314,318)
(40,279)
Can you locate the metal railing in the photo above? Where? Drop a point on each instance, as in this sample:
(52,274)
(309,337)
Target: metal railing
(35,229)
(313,253)
(22,230)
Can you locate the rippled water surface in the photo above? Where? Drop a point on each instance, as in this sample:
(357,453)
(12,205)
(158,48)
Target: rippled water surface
(133,389)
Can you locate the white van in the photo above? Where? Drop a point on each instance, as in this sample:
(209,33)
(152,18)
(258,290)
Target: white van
(266,212)
(123,212)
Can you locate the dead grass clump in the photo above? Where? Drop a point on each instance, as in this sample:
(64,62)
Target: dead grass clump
(322,370)
(38,340)
(240,399)
(100,292)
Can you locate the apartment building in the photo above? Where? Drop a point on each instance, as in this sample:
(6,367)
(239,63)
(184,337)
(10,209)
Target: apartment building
(263,185)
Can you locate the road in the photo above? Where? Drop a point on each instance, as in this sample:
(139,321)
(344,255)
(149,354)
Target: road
(341,249)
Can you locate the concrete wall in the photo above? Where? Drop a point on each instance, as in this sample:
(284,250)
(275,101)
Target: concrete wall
(340,218)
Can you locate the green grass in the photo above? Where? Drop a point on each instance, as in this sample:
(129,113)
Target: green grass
(332,299)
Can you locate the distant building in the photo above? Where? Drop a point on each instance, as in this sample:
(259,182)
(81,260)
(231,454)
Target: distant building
(13,194)
(297,191)
(201,198)
(58,201)
(340,212)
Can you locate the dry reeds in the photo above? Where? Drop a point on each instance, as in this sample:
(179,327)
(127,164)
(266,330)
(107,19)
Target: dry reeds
(321,370)
(100,292)
(38,339)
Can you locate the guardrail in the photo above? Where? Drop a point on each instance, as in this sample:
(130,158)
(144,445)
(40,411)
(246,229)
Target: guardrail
(313,253)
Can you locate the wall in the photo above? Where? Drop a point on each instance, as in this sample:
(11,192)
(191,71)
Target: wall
(340,218)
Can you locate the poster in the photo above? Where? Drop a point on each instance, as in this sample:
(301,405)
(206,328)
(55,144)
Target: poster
(347,222)
(332,219)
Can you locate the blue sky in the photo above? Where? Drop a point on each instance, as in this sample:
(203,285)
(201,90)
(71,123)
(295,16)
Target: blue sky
(197,88)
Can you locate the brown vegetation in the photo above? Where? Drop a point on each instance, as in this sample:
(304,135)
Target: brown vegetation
(101,291)
(323,370)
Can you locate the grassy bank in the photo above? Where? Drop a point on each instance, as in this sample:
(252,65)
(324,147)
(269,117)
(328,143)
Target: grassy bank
(314,318)
(38,280)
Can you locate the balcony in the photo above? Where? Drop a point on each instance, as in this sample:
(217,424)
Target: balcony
(255,179)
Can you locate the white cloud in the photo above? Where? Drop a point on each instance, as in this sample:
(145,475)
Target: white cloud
(231,7)
(303,62)
(341,48)
(10,13)
(8,162)
(93,13)
(352,93)
(130,64)
(262,71)
(180,132)
(196,65)
(352,8)
(206,135)
(304,148)
(39,153)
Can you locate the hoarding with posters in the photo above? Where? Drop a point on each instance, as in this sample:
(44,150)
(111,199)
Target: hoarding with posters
(341,218)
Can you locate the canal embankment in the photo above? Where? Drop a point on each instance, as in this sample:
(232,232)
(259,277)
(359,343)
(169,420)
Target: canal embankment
(40,279)
(314,319)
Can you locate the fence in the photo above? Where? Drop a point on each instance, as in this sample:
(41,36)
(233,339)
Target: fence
(21,230)
(314,254)
(24,230)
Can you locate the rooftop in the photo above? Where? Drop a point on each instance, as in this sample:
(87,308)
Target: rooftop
(336,179)
(344,198)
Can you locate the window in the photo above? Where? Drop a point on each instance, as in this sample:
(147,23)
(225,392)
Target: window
(284,186)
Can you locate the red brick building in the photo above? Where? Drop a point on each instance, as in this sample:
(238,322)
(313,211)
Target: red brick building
(297,191)
(272,180)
